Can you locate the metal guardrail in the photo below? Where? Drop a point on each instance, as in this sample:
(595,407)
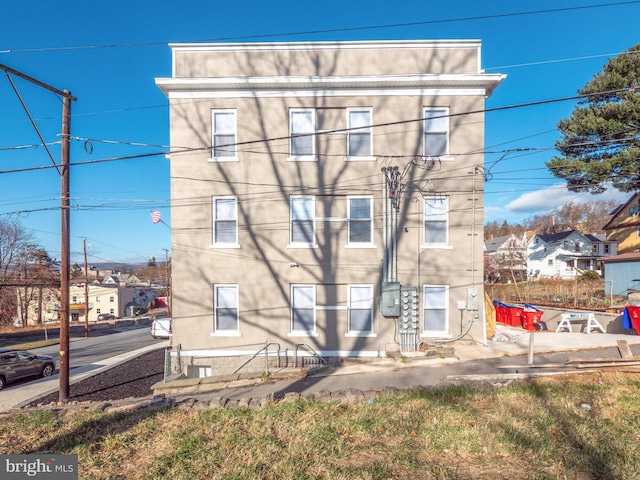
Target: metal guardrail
(313,353)
(266,357)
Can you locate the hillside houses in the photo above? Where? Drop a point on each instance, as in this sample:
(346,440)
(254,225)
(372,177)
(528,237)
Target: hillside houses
(559,255)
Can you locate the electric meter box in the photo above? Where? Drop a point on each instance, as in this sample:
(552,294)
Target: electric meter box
(472,299)
(409,315)
(390,300)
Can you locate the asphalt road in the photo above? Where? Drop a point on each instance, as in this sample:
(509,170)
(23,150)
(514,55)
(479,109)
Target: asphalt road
(101,345)
(89,356)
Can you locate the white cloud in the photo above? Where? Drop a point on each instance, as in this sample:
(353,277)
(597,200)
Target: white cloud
(547,199)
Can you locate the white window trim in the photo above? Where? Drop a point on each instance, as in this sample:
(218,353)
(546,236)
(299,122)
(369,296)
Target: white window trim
(303,333)
(360,158)
(314,243)
(351,244)
(222,245)
(435,333)
(230,158)
(447,156)
(303,158)
(225,333)
(357,333)
(446,245)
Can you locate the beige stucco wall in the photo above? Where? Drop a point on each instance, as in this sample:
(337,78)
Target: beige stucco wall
(263,181)
(326,59)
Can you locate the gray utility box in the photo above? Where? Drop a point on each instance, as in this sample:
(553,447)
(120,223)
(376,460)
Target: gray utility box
(390,300)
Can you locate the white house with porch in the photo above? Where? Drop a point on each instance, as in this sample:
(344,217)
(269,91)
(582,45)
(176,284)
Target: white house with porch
(567,254)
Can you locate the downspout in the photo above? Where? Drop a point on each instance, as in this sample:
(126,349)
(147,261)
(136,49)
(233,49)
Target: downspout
(384,226)
(473,271)
(394,242)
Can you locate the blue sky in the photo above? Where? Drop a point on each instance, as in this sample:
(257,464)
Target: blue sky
(109,53)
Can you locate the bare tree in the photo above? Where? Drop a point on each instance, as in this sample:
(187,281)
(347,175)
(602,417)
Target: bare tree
(583,217)
(13,241)
(25,269)
(35,271)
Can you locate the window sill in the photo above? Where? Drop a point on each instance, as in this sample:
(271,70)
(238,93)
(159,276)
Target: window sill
(224,245)
(303,334)
(302,245)
(360,245)
(226,334)
(360,335)
(437,158)
(355,158)
(223,159)
(302,158)
(436,246)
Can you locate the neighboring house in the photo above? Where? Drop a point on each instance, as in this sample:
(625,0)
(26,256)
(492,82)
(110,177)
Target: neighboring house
(506,259)
(121,279)
(622,273)
(567,254)
(317,189)
(624,226)
(112,299)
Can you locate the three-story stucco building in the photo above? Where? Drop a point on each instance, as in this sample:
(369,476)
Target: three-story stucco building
(326,194)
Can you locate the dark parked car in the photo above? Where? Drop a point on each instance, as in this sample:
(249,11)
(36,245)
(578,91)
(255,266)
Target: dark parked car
(18,364)
(106,316)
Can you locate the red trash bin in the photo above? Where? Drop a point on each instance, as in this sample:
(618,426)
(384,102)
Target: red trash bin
(530,317)
(515,316)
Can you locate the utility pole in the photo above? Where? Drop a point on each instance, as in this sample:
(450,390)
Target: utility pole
(65,251)
(86,291)
(63,170)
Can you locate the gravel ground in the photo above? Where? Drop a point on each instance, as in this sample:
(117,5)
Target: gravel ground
(130,379)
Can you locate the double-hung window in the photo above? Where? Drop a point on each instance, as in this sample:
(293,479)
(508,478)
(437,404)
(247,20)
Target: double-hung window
(303,230)
(360,301)
(436,132)
(359,137)
(435,316)
(225,222)
(436,220)
(303,309)
(224,133)
(360,220)
(225,305)
(302,129)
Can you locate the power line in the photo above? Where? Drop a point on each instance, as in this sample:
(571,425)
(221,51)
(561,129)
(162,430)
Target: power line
(332,30)
(338,130)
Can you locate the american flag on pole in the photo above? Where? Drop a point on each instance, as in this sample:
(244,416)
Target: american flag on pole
(155,216)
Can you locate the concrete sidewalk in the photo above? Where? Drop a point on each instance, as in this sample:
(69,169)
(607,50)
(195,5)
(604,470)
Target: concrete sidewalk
(516,343)
(16,396)
(409,366)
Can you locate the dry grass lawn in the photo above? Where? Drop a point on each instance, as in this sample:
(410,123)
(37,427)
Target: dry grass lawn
(587,427)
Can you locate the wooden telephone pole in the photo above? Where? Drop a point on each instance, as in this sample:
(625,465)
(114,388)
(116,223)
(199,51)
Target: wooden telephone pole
(86,290)
(63,170)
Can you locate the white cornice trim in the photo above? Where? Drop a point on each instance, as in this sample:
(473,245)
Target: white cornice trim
(199,94)
(348,45)
(331,86)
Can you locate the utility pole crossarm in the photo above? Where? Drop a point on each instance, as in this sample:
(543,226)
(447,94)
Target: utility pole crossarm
(10,70)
